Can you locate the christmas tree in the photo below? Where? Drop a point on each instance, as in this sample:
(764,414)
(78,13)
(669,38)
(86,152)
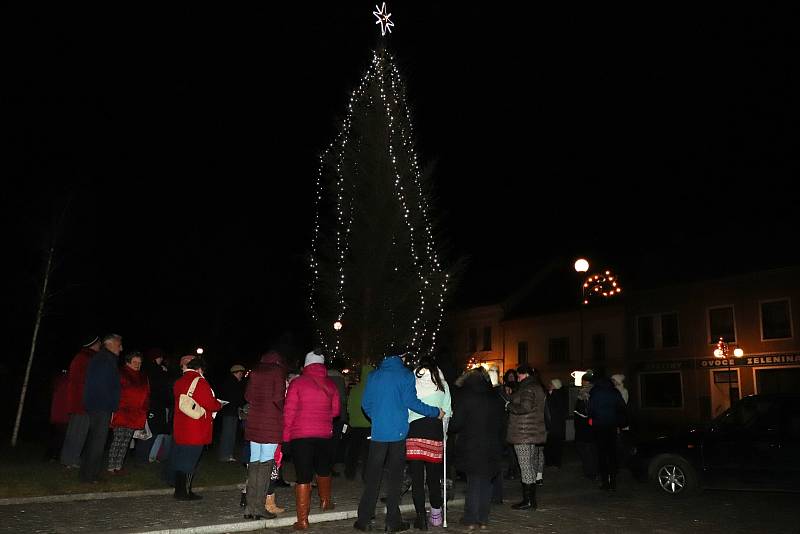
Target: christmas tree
(376,273)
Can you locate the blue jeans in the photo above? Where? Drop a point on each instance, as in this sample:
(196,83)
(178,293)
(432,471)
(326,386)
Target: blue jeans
(227,436)
(476,504)
(161,440)
(262,452)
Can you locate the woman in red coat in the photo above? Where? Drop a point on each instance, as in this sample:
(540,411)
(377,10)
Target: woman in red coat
(132,412)
(312,402)
(190,435)
(265,393)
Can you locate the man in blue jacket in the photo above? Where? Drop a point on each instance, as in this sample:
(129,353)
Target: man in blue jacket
(389,394)
(101,398)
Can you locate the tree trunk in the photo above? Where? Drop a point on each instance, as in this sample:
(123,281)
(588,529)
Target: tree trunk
(39,315)
(365,331)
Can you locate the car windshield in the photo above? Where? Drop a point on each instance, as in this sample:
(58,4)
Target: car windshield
(745,413)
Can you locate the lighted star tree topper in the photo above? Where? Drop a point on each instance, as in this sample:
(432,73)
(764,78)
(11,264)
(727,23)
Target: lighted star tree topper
(376,273)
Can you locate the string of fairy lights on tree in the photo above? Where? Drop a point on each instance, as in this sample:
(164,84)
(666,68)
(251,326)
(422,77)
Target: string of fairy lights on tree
(431,278)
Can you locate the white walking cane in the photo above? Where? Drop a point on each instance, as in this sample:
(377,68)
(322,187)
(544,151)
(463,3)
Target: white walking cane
(445,423)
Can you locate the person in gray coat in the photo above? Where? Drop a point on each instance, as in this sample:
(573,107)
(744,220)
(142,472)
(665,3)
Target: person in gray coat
(526,431)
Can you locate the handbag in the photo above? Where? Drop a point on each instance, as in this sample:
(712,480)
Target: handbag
(188,405)
(143,433)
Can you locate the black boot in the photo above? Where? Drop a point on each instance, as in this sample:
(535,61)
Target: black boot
(528,490)
(180,487)
(532,497)
(421,522)
(612,482)
(605,481)
(192,496)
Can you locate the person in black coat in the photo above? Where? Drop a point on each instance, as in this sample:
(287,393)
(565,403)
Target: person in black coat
(607,414)
(478,420)
(557,406)
(232,390)
(584,441)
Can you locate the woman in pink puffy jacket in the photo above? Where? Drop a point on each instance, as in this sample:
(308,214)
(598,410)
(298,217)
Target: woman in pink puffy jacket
(312,402)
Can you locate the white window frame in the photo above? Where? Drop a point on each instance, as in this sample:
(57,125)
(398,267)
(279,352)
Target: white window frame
(658,338)
(708,323)
(641,395)
(761,319)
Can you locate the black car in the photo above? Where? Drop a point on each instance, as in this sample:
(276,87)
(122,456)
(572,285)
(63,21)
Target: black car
(754,445)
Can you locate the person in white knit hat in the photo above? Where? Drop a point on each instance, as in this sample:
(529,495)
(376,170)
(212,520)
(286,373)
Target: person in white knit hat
(557,409)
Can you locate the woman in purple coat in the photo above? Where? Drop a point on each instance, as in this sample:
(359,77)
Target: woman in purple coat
(265,395)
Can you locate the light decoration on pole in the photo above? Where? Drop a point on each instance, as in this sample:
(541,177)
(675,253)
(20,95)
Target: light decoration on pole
(432,280)
(604,285)
(723,351)
(199,351)
(383,15)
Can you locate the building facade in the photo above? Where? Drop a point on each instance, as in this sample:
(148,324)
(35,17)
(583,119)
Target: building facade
(674,331)
(661,339)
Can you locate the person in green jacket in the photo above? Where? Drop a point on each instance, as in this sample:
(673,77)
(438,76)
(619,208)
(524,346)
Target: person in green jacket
(359,427)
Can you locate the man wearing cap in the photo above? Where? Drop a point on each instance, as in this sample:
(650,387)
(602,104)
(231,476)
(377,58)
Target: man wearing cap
(78,426)
(232,390)
(101,397)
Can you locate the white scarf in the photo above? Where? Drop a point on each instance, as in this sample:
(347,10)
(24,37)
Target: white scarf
(425,385)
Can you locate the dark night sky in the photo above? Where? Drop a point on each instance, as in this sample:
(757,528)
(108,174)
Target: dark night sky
(661,142)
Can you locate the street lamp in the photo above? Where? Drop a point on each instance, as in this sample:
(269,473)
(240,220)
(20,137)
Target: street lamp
(581,267)
(603,284)
(723,351)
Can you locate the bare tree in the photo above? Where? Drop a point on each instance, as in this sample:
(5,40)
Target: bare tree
(44,296)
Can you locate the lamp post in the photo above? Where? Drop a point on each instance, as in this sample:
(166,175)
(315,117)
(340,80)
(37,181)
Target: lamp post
(581,267)
(601,285)
(723,351)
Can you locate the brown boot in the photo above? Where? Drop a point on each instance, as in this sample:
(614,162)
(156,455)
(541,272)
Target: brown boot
(324,486)
(302,497)
(271,507)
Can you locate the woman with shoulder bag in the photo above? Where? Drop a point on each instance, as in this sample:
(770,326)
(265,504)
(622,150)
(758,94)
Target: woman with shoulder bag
(312,402)
(192,430)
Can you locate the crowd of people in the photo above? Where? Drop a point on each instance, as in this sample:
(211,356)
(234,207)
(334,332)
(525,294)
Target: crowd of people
(389,420)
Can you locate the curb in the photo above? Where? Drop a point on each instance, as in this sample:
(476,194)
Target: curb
(105,495)
(248,526)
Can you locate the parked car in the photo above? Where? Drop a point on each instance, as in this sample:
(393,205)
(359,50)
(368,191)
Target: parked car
(755,444)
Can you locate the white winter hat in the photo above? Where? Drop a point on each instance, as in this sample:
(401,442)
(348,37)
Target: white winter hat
(556,383)
(313,357)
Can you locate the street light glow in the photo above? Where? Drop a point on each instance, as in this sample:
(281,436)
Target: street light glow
(199,350)
(581,265)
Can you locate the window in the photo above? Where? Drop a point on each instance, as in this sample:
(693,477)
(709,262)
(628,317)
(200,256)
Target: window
(776,320)
(670,336)
(472,340)
(657,331)
(661,390)
(645,332)
(599,347)
(721,324)
(559,349)
(487,338)
(522,352)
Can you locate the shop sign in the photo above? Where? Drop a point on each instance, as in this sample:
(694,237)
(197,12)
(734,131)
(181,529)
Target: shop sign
(751,360)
